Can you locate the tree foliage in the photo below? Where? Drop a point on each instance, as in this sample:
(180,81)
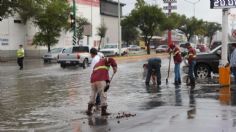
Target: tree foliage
(101,31)
(129,31)
(211,28)
(148,19)
(140,3)
(51,22)
(7,7)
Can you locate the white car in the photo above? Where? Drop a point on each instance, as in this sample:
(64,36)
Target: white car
(52,55)
(76,55)
(113,50)
(134,48)
(162,48)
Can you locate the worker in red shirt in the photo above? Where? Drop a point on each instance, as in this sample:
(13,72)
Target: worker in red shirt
(99,77)
(177,60)
(192,62)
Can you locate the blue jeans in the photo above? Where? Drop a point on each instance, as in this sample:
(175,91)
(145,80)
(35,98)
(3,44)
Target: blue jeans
(177,72)
(233,70)
(191,70)
(154,64)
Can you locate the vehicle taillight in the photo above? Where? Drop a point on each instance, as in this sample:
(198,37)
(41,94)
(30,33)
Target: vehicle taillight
(78,56)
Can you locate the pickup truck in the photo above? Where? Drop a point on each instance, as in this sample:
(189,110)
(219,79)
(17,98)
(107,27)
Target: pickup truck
(113,50)
(76,55)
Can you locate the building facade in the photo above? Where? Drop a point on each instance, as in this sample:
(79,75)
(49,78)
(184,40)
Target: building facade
(13,32)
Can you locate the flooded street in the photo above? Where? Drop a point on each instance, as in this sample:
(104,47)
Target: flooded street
(45,97)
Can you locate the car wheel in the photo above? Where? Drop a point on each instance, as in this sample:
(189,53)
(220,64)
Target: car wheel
(202,71)
(45,61)
(85,63)
(63,65)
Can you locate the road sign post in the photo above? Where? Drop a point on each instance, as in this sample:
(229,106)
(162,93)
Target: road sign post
(224,68)
(169,8)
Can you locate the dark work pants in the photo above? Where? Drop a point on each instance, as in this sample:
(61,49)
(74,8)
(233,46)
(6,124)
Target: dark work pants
(154,64)
(191,70)
(20,62)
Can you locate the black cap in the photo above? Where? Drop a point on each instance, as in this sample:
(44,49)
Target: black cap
(187,44)
(93,51)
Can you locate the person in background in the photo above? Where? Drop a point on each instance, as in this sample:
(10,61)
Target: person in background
(95,59)
(192,62)
(154,66)
(233,61)
(20,56)
(177,60)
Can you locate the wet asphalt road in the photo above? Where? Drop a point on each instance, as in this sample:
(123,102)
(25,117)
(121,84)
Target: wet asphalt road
(44,97)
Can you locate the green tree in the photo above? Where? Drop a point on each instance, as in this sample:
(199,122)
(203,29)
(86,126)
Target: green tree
(148,19)
(211,28)
(101,31)
(191,26)
(140,3)
(51,21)
(172,22)
(129,32)
(7,8)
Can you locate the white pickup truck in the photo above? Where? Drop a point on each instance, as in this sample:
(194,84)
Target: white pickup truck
(112,49)
(76,55)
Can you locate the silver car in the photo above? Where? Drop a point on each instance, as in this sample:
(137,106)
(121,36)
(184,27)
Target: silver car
(52,55)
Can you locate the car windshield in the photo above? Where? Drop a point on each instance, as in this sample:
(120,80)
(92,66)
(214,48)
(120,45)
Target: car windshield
(110,46)
(56,50)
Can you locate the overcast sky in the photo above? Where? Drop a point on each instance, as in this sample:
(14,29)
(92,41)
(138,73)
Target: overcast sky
(202,9)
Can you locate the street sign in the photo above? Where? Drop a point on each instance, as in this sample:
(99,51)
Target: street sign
(169,7)
(220,4)
(170,1)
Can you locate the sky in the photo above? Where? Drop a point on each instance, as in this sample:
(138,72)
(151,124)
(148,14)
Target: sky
(202,9)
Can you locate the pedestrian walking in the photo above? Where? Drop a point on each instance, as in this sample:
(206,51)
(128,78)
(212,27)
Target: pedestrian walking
(177,61)
(233,61)
(99,77)
(20,56)
(154,68)
(192,62)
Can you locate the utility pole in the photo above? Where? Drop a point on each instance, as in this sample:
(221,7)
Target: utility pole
(74,25)
(224,67)
(119,29)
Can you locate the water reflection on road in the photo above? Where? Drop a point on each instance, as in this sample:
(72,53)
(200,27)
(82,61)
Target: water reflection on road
(48,98)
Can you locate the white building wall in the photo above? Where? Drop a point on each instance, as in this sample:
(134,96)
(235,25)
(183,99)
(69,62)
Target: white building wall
(13,34)
(112,29)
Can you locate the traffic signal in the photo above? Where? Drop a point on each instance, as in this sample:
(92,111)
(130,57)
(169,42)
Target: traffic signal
(72,19)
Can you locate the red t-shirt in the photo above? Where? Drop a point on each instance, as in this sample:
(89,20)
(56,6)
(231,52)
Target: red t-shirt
(100,72)
(177,55)
(191,54)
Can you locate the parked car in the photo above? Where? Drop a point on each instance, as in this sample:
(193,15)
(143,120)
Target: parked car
(112,49)
(134,48)
(161,48)
(52,55)
(76,55)
(207,63)
(215,44)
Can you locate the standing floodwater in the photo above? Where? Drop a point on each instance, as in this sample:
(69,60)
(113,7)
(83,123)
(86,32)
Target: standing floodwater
(48,98)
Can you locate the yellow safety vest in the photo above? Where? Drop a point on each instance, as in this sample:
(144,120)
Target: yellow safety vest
(20,53)
(101,67)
